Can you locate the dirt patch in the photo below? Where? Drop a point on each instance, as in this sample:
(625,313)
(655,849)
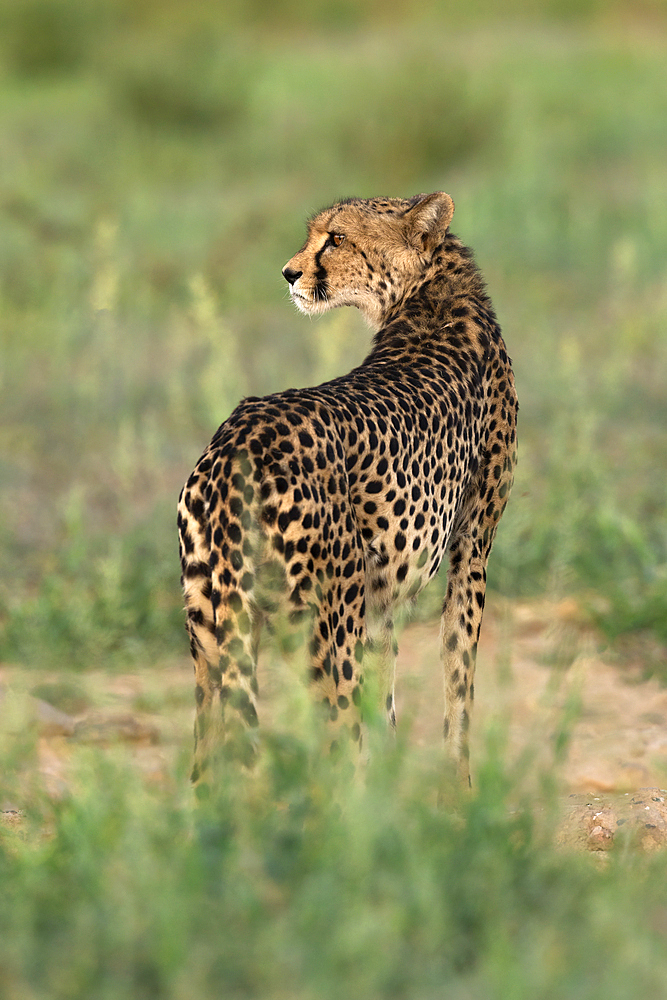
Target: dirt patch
(544,678)
(563,705)
(559,703)
(599,823)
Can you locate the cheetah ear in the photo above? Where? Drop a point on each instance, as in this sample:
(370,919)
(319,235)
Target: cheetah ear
(428,219)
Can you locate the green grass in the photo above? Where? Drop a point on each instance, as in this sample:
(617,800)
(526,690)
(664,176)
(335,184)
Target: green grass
(158,161)
(293,885)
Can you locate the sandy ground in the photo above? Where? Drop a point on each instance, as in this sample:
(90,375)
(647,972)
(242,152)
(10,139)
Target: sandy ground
(543,681)
(540,671)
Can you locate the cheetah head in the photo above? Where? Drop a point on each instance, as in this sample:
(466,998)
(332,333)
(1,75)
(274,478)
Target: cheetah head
(367,254)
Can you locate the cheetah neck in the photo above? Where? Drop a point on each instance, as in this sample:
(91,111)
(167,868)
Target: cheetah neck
(447,307)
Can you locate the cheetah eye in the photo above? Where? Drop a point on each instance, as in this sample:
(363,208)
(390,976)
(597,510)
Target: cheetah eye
(335,239)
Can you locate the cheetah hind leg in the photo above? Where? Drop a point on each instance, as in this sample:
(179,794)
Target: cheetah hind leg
(459,634)
(226,693)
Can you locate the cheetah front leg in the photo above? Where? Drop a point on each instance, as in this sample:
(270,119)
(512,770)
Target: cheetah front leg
(459,633)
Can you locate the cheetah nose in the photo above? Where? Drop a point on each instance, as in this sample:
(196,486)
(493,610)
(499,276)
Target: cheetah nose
(289,274)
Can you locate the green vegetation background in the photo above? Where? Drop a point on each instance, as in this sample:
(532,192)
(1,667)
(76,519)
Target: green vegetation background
(157,162)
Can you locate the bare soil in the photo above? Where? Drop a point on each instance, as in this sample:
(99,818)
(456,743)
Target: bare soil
(543,674)
(566,704)
(545,685)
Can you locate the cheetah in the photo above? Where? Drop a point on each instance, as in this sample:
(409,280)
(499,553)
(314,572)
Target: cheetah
(355,490)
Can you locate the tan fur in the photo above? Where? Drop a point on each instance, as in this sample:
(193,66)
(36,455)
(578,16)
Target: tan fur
(360,486)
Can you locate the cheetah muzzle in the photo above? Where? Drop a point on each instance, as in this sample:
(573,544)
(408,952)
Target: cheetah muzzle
(358,488)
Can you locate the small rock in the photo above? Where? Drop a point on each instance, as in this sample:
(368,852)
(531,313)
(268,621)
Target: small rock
(66,695)
(51,721)
(601,828)
(11,817)
(104,729)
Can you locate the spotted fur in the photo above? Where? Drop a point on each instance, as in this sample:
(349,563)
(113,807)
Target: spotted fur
(357,488)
